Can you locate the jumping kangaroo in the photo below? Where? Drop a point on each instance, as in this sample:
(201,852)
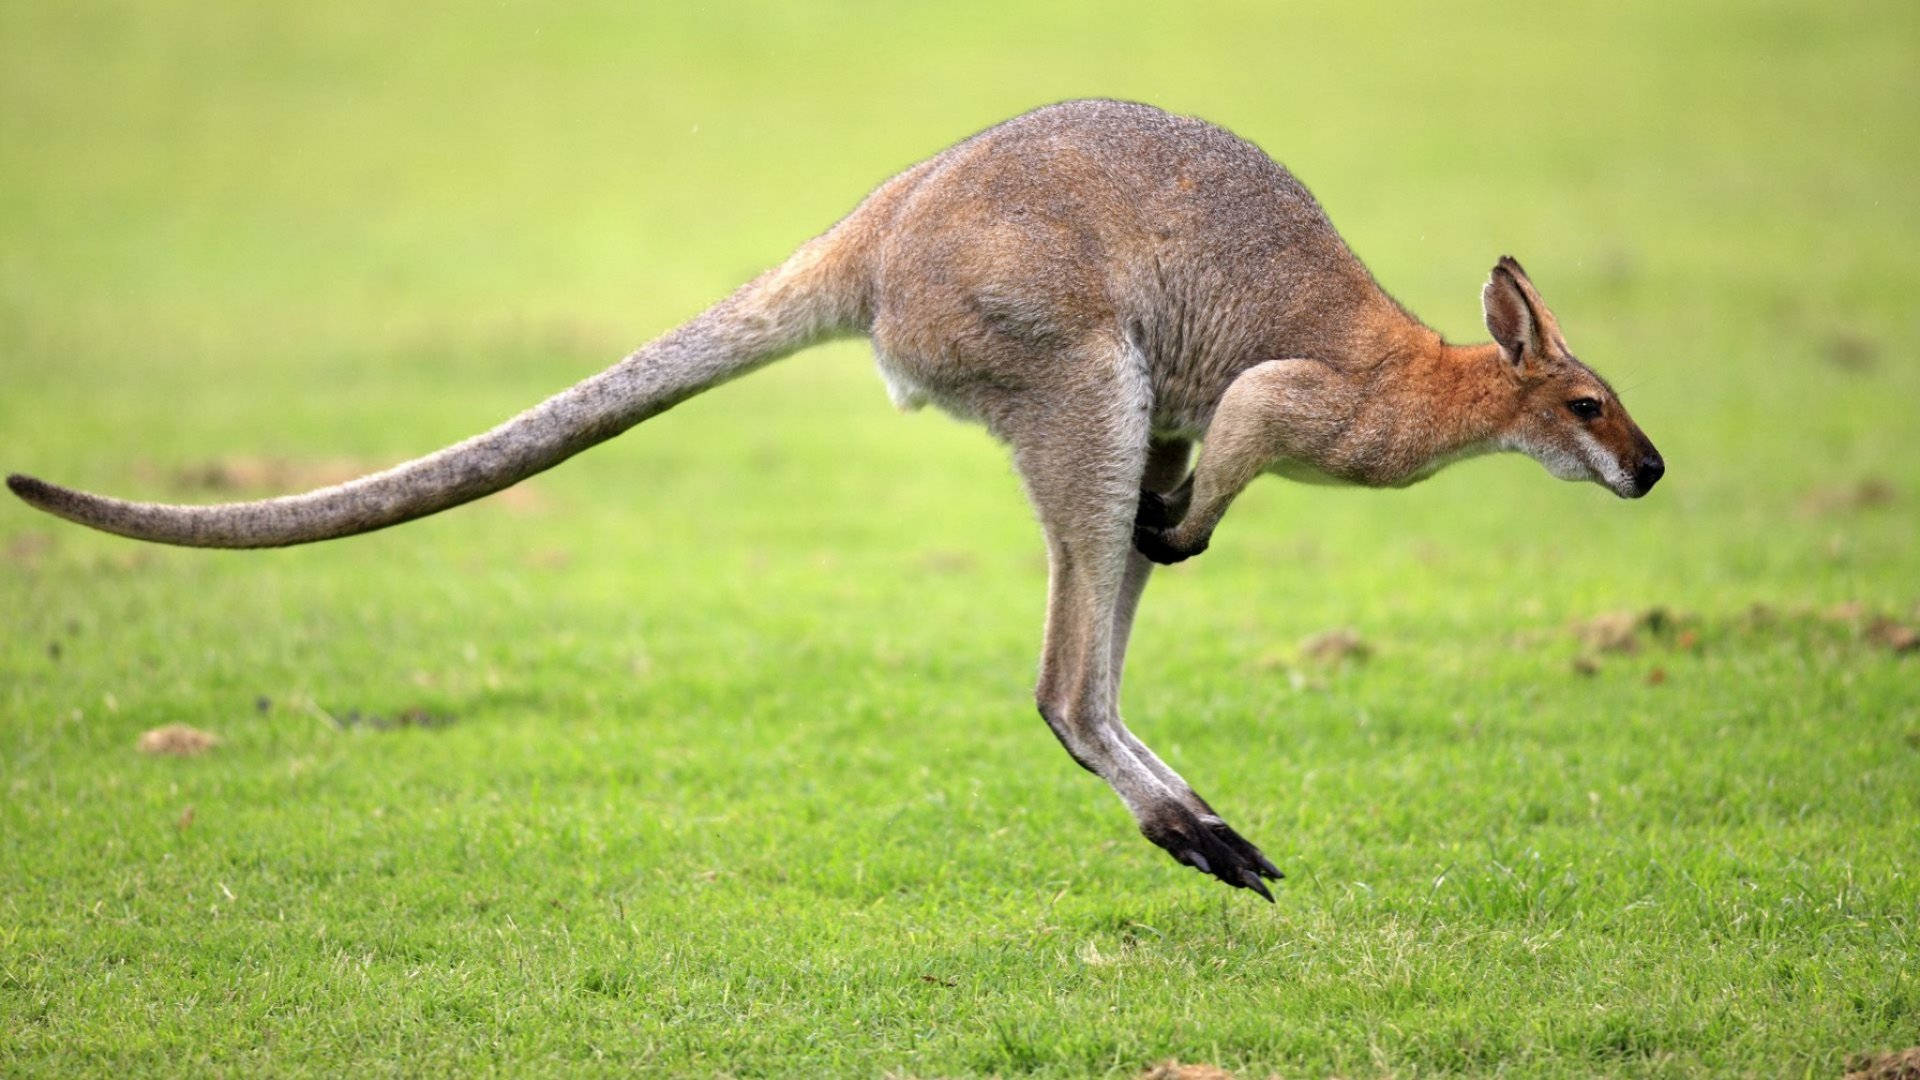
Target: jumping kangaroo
(1101,284)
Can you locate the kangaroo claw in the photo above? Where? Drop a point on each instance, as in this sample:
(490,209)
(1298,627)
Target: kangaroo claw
(1210,846)
(1244,848)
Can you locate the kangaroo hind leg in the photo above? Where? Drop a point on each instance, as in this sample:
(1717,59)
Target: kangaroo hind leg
(1082,470)
(1167,483)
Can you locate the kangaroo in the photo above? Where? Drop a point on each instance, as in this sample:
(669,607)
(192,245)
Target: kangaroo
(1102,285)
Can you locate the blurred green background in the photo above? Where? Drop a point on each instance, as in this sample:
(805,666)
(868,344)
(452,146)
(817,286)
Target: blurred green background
(742,774)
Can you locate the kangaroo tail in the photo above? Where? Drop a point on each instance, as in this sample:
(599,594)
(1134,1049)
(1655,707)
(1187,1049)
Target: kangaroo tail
(783,310)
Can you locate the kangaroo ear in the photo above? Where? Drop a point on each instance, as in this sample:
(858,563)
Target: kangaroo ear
(1518,319)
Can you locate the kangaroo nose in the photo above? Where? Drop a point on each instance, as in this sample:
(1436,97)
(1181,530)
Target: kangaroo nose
(1649,472)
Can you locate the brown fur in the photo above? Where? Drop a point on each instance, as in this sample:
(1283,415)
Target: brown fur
(1101,284)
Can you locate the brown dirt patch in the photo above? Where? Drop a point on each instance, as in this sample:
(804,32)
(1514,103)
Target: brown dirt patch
(551,558)
(1864,494)
(1334,646)
(949,563)
(1173,1070)
(1853,613)
(1615,631)
(1895,636)
(246,473)
(1882,630)
(524,499)
(177,740)
(29,549)
(1851,352)
(1895,1065)
(1626,631)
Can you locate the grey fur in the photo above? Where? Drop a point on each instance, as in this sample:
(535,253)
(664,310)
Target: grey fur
(1100,284)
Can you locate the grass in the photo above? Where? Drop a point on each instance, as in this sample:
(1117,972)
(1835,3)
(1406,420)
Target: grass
(736,770)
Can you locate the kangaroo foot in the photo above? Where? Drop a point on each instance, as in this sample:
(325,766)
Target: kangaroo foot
(1210,846)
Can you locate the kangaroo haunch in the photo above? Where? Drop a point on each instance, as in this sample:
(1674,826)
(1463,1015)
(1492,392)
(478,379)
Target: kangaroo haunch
(1101,285)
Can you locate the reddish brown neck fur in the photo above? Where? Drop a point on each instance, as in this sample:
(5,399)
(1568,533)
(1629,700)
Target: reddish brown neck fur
(1456,397)
(1473,388)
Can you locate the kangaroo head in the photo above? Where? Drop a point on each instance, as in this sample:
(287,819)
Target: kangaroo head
(1566,417)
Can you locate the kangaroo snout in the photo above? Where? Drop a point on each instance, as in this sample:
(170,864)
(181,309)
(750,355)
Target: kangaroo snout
(1648,472)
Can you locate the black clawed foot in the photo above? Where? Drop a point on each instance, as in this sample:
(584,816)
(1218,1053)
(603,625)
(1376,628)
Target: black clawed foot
(1208,845)
(1243,847)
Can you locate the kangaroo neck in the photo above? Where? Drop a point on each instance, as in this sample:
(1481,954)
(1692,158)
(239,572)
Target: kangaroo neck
(1444,402)
(1461,394)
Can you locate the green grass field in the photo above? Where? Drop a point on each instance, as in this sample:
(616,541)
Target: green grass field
(713,751)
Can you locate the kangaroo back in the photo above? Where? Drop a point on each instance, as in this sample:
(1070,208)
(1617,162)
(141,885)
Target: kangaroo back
(804,300)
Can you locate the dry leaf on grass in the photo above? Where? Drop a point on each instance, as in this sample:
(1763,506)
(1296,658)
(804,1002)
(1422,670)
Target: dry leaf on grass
(178,740)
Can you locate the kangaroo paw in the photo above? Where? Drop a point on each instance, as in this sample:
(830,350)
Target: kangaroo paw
(1154,512)
(1209,847)
(1157,544)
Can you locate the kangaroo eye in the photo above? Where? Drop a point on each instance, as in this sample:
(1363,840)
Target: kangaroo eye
(1585,408)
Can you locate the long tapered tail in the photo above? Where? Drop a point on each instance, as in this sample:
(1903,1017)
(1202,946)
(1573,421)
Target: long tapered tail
(783,310)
